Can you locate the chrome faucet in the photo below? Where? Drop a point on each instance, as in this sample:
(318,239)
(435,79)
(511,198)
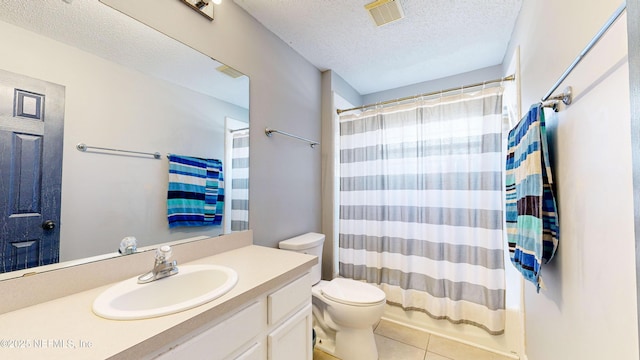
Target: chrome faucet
(162,268)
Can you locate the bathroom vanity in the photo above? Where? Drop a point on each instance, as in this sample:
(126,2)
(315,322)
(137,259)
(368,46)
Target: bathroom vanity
(267,315)
(275,326)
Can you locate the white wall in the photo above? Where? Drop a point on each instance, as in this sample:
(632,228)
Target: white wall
(633,16)
(587,309)
(108,197)
(284,94)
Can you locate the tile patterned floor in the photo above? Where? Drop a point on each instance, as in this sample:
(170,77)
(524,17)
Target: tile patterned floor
(397,342)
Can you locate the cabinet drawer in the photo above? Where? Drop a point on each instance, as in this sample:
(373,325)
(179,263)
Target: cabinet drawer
(284,301)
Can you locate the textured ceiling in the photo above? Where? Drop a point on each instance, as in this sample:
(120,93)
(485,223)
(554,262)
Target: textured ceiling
(435,39)
(107,33)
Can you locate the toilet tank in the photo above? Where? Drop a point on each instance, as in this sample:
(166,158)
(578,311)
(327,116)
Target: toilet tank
(309,243)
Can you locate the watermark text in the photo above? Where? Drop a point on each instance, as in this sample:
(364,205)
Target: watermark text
(45,344)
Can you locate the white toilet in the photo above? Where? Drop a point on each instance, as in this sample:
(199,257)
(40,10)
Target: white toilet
(344,310)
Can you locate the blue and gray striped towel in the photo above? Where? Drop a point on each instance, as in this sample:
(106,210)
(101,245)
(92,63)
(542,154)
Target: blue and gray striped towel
(196,191)
(531,214)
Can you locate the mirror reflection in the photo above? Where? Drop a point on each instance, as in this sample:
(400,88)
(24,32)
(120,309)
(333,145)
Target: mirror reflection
(83,73)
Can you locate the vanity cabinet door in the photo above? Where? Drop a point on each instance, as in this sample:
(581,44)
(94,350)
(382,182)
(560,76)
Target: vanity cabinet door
(256,352)
(293,339)
(225,338)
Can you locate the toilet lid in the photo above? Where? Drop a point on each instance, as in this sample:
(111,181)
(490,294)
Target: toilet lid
(352,292)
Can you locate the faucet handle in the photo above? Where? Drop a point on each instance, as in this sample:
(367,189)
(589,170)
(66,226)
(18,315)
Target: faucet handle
(164,253)
(128,245)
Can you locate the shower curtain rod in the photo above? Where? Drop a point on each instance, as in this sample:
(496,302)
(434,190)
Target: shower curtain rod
(566,96)
(507,78)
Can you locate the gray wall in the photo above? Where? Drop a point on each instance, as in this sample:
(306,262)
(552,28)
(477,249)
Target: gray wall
(471,77)
(343,89)
(284,94)
(332,85)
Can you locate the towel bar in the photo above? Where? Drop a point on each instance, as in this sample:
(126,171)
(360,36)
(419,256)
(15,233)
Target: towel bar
(566,96)
(269,132)
(84,147)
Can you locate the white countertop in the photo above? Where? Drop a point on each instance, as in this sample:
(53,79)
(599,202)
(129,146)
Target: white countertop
(66,328)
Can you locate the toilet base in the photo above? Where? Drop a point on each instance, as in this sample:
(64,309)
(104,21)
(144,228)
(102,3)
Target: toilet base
(356,344)
(349,344)
(325,343)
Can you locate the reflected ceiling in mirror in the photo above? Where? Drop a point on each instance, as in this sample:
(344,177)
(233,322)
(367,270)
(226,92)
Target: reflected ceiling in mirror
(126,86)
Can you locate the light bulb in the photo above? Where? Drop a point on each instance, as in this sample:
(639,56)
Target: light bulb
(217,2)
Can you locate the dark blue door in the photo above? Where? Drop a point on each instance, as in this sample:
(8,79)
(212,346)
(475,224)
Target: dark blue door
(31,135)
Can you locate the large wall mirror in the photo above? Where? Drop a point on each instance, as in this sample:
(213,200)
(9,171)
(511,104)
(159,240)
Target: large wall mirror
(106,80)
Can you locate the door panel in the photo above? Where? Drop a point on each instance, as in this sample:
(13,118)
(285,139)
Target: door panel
(31,136)
(26,174)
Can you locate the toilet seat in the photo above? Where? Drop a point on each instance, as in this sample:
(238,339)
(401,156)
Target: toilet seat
(352,292)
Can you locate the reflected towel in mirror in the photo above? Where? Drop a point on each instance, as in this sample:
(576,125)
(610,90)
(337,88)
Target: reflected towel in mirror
(195,194)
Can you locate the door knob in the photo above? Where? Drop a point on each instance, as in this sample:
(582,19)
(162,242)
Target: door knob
(49,225)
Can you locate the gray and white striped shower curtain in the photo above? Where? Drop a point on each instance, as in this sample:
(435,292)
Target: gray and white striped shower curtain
(421,211)
(240,181)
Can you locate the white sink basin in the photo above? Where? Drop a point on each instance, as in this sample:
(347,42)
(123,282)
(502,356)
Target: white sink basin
(193,286)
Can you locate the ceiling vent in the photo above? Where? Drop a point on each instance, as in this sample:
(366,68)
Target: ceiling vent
(229,71)
(385,11)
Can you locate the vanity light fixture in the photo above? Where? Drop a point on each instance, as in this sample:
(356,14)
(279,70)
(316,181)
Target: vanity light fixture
(229,71)
(201,4)
(203,7)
